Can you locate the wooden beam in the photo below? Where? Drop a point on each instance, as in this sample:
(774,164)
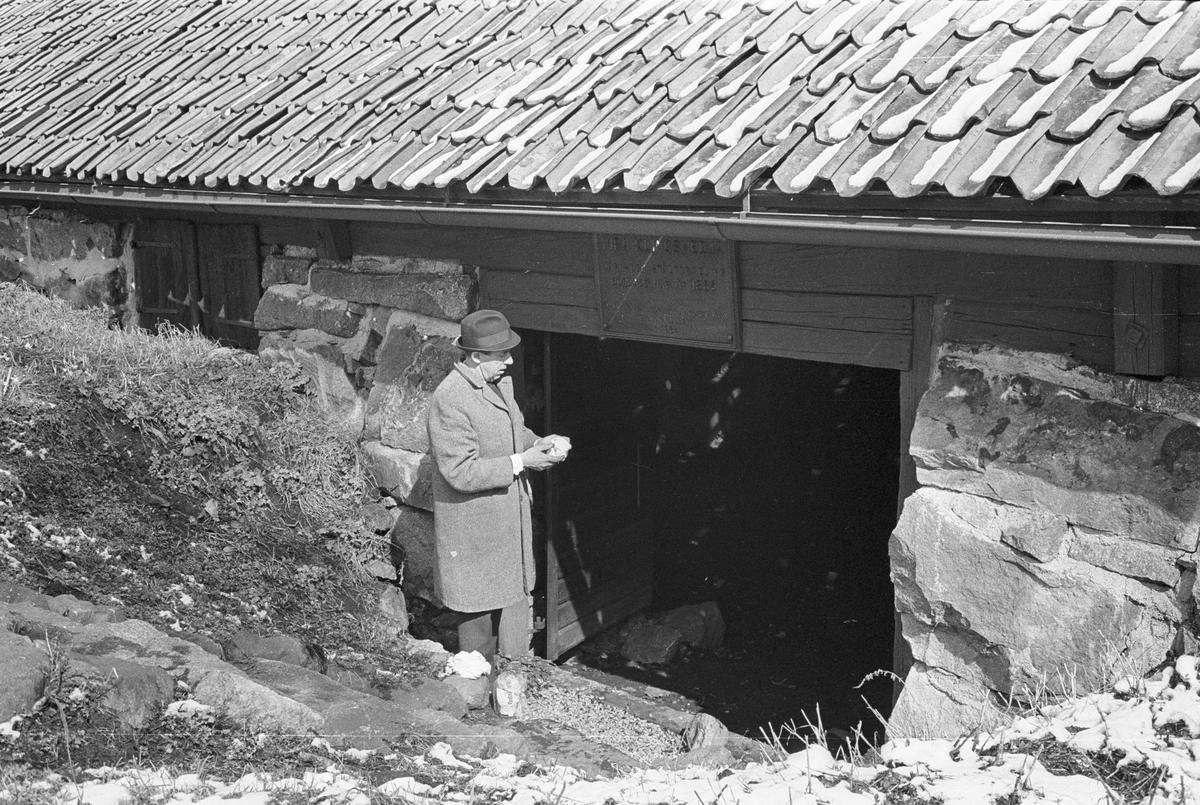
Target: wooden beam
(1146,319)
(333,240)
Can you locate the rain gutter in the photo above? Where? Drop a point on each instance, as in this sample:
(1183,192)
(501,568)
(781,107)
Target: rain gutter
(1179,245)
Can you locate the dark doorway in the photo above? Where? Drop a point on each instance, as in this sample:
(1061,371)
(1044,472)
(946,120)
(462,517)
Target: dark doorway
(772,485)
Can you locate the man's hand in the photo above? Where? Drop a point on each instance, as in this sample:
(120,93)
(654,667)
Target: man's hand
(559,445)
(539,457)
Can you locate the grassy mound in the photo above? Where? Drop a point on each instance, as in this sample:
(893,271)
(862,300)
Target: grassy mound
(179,480)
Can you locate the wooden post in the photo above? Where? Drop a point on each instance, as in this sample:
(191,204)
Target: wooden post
(913,384)
(1145,319)
(553,571)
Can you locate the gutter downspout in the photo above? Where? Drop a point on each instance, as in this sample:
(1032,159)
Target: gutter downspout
(1177,245)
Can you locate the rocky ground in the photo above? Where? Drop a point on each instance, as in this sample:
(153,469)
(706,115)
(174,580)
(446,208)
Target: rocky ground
(1135,744)
(179,526)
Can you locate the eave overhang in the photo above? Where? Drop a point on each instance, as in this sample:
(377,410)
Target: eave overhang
(1156,244)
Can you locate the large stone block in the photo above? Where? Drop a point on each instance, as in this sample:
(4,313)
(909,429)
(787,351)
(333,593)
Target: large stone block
(413,548)
(1004,622)
(937,704)
(24,668)
(319,355)
(10,269)
(1138,560)
(294,307)
(14,230)
(652,643)
(700,624)
(213,681)
(60,236)
(245,645)
(442,296)
(281,269)
(404,474)
(1054,448)
(390,264)
(415,355)
(362,348)
(134,693)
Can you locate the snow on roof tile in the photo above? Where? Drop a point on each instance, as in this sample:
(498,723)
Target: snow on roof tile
(675,95)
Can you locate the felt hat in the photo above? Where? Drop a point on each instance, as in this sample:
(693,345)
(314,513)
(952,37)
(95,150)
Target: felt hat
(486,331)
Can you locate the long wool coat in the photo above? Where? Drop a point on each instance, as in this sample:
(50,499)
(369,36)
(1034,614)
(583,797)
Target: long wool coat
(481,513)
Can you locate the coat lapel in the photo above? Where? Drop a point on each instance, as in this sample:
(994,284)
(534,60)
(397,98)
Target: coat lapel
(489,392)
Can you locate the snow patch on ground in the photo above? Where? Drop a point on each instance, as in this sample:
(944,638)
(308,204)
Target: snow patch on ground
(1154,722)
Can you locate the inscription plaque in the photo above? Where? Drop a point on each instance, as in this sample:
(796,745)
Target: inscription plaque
(676,290)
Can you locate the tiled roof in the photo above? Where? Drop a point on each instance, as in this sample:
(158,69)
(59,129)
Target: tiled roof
(677,95)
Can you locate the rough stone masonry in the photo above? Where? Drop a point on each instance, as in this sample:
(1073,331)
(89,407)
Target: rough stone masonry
(375,333)
(1052,544)
(67,255)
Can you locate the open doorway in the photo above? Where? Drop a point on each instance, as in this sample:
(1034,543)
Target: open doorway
(771,485)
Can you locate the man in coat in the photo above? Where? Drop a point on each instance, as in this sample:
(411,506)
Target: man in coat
(483,530)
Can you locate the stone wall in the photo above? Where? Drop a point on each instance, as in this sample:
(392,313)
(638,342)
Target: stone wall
(68,255)
(1052,544)
(375,332)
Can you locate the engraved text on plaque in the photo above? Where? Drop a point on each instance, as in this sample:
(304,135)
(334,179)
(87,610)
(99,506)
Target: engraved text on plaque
(667,289)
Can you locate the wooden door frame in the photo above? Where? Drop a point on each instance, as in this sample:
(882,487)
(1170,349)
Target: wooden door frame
(913,384)
(552,568)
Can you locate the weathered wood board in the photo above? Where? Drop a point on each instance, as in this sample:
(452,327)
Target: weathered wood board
(863,330)
(543,280)
(1085,334)
(781,267)
(508,249)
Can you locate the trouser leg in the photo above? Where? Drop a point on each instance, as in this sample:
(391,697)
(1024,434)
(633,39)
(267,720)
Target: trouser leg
(477,631)
(515,623)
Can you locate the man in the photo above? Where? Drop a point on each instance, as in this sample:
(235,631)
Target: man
(483,530)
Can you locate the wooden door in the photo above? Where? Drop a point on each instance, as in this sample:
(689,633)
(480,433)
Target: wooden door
(600,551)
(229,283)
(164,265)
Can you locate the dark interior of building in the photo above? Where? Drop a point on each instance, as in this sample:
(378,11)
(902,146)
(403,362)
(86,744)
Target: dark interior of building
(772,486)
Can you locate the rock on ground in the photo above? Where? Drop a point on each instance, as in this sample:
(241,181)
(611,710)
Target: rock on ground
(24,668)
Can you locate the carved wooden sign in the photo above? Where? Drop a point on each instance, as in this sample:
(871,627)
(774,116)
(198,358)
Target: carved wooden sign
(677,290)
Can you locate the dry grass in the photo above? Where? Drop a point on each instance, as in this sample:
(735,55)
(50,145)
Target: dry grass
(218,416)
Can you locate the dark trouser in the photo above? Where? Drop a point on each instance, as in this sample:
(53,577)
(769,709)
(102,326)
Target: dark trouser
(479,631)
(505,630)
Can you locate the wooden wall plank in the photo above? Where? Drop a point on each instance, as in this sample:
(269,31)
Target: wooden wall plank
(287,231)
(551,318)
(883,350)
(884,314)
(1189,345)
(514,250)
(783,267)
(604,572)
(1086,334)
(530,286)
(1189,290)
(572,634)
(579,608)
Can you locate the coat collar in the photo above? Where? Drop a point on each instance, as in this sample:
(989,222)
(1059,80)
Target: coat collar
(493,393)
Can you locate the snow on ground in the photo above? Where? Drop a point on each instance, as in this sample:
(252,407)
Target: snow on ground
(1151,722)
